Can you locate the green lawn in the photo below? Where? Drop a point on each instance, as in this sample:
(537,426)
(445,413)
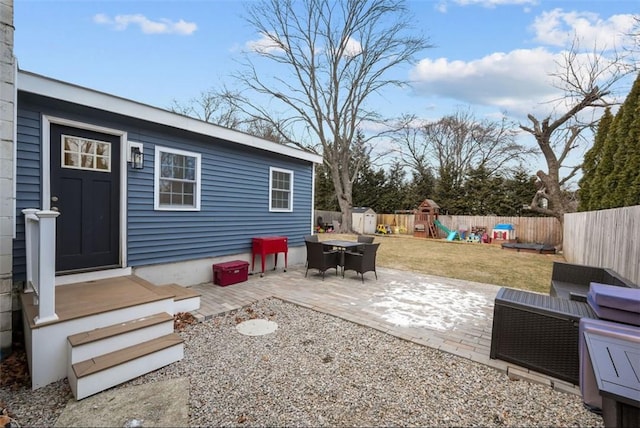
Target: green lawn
(487,263)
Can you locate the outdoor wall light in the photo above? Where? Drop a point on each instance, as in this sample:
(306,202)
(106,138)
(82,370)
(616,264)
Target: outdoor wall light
(136,157)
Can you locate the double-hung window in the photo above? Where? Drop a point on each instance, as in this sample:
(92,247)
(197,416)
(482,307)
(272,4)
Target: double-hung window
(177,180)
(280,190)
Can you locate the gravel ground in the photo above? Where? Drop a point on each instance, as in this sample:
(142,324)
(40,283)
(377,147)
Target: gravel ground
(318,370)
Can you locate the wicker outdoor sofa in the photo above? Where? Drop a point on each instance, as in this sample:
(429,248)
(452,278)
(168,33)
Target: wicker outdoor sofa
(571,281)
(540,332)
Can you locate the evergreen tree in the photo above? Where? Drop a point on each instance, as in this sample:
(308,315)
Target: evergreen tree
(626,142)
(602,186)
(368,185)
(520,188)
(493,194)
(421,187)
(325,195)
(616,175)
(449,192)
(591,160)
(392,193)
(479,192)
(632,196)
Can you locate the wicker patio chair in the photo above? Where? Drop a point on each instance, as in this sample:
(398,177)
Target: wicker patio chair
(538,332)
(318,258)
(361,263)
(364,240)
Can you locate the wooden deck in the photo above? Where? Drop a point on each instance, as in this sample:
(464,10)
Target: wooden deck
(94,297)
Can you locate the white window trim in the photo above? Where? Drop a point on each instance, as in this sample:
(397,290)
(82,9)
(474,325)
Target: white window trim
(280,210)
(156,179)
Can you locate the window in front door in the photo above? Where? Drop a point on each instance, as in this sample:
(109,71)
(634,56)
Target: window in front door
(84,153)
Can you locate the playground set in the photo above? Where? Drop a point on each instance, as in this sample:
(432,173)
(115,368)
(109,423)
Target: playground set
(426,216)
(426,224)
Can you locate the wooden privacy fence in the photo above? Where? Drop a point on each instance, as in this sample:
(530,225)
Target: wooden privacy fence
(606,238)
(545,230)
(327,216)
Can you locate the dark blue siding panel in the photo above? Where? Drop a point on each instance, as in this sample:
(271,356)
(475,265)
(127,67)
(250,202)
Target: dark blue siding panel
(234,190)
(234,203)
(28,180)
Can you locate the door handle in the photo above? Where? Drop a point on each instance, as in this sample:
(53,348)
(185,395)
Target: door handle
(54,199)
(55,209)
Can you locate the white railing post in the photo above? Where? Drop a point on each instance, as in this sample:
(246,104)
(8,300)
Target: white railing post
(31,233)
(47,267)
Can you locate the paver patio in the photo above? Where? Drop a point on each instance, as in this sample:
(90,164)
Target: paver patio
(448,314)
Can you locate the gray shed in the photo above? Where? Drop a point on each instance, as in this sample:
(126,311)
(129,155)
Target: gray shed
(363,220)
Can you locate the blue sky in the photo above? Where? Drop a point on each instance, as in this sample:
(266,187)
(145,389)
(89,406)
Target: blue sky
(491,55)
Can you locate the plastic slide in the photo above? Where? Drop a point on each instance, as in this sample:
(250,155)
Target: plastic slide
(451,234)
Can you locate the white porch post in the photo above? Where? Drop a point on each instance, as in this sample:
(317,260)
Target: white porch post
(47,267)
(29,213)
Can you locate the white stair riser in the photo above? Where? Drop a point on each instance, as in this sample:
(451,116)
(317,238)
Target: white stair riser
(48,355)
(186,305)
(97,382)
(117,342)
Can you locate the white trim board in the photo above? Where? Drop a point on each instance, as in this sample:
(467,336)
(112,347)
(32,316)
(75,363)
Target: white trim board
(45,86)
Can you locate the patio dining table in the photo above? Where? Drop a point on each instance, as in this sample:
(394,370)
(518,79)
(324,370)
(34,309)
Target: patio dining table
(341,245)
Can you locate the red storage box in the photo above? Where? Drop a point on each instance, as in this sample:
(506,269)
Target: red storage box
(230,272)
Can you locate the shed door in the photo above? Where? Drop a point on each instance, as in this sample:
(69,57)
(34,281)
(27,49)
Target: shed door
(369,223)
(85,187)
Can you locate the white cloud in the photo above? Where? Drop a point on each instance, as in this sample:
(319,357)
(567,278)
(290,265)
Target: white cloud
(352,48)
(441,7)
(559,28)
(147,26)
(502,80)
(520,81)
(264,44)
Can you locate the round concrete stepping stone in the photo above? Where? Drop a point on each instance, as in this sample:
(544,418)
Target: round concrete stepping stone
(257,327)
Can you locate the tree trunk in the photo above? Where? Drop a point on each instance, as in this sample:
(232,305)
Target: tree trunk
(343,187)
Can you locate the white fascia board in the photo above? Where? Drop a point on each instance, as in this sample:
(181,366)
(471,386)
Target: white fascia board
(45,86)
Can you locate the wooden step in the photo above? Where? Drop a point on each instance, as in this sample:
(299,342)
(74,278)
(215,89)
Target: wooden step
(179,292)
(86,345)
(105,371)
(185,299)
(106,332)
(103,362)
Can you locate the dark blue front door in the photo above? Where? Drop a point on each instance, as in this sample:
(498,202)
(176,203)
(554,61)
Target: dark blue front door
(85,189)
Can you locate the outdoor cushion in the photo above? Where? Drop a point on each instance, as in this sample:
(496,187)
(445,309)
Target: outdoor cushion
(617,315)
(612,296)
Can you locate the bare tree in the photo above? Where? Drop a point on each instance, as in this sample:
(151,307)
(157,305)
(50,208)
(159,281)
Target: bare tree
(413,152)
(213,105)
(330,58)
(634,46)
(587,81)
(458,143)
(220,107)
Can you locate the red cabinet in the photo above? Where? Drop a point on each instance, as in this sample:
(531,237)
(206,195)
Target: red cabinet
(264,245)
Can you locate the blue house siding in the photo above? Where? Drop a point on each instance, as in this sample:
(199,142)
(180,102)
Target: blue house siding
(28,181)
(234,190)
(234,203)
